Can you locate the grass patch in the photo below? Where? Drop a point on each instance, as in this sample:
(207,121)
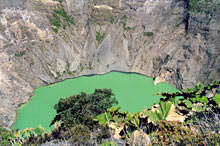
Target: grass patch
(112,19)
(20,53)
(68,69)
(90,66)
(59,74)
(148,34)
(99,37)
(64,15)
(81,67)
(124,23)
(98,60)
(203,6)
(60,18)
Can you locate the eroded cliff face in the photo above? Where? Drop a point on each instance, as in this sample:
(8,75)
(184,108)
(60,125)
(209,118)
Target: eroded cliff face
(40,43)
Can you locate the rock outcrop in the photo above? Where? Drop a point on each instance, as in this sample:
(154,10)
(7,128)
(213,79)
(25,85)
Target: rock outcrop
(44,41)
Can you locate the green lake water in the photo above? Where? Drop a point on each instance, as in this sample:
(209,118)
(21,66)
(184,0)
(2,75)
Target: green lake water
(134,92)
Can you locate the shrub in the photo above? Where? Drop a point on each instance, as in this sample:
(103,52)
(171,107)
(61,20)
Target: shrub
(5,137)
(148,34)
(20,54)
(83,108)
(80,134)
(56,22)
(99,37)
(112,19)
(103,134)
(174,133)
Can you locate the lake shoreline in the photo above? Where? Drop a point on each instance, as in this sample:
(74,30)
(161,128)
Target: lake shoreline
(85,75)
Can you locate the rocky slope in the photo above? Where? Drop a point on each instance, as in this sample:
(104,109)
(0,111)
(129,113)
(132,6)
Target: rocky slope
(44,41)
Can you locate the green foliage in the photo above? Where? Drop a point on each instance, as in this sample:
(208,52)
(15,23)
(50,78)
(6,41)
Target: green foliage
(161,113)
(90,66)
(58,74)
(174,133)
(55,22)
(114,116)
(194,99)
(203,5)
(109,144)
(60,1)
(20,53)
(80,134)
(148,34)
(193,5)
(112,19)
(216,98)
(124,19)
(103,134)
(18,138)
(64,15)
(99,37)
(104,119)
(81,67)
(68,69)
(6,137)
(83,108)
(60,18)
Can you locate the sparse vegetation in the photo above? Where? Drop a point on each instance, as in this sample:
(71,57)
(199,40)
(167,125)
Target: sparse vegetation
(68,69)
(60,19)
(81,67)
(148,34)
(124,23)
(112,19)
(98,60)
(100,37)
(20,53)
(59,74)
(90,66)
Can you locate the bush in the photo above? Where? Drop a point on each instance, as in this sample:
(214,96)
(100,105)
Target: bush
(83,108)
(5,137)
(174,133)
(20,54)
(99,37)
(148,34)
(103,134)
(80,134)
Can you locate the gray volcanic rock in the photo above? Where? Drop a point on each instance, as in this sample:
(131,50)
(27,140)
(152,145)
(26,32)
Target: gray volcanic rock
(156,38)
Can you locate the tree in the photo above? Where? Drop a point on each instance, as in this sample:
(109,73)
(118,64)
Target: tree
(83,108)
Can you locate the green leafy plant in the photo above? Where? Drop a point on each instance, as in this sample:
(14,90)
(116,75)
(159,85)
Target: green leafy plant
(193,99)
(109,144)
(160,113)
(216,98)
(6,137)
